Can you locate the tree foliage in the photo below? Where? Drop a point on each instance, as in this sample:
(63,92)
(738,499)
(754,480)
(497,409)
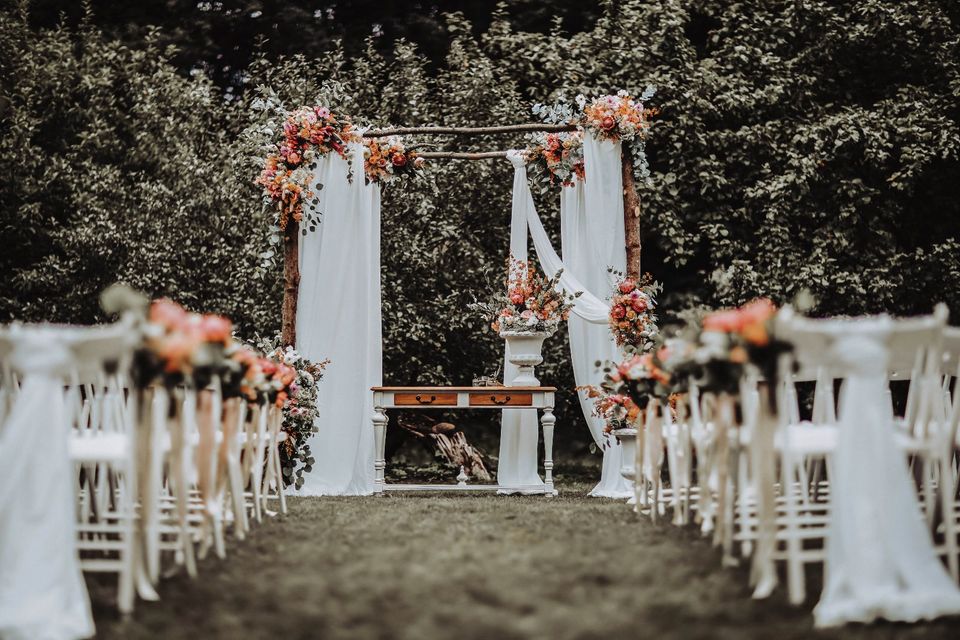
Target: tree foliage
(801,145)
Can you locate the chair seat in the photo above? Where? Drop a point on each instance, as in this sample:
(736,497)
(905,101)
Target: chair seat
(809,439)
(100,447)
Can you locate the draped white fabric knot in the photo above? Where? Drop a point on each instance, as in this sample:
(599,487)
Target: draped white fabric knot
(592,238)
(880,557)
(42,592)
(339,317)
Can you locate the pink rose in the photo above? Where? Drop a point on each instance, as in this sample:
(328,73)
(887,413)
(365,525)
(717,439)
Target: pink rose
(526,315)
(167,313)
(627,286)
(726,321)
(516,298)
(216,328)
(618,312)
(639,305)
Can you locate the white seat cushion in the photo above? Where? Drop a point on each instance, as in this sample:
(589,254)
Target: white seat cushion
(100,447)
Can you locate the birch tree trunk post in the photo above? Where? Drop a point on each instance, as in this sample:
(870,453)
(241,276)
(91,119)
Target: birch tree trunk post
(631,214)
(291,282)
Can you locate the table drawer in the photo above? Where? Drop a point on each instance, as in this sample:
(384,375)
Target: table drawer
(425,399)
(501,398)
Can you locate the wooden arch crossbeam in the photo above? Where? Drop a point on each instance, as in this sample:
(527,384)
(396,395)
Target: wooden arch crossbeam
(631,204)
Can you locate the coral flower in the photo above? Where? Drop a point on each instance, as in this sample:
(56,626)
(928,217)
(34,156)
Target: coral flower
(608,123)
(398,159)
(216,328)
(627,286)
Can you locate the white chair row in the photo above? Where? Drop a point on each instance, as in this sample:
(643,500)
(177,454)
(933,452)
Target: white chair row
(760,482)
(153,476)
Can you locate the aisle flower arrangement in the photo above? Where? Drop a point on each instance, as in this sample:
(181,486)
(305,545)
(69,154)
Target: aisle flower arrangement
(389,159)
(556,158)
(530,302)
(309,133)
(632,320)
(640,377)
(180,346)
(299,395)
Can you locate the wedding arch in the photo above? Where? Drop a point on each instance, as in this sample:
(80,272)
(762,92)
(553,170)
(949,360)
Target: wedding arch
(317,139)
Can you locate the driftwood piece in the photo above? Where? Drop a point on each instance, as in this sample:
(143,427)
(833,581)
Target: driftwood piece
(452,445)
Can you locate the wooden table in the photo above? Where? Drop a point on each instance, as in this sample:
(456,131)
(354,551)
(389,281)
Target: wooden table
(527,398)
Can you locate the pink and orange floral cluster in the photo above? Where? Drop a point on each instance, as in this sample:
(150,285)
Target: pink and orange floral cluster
(309,133)
(558,157)
(183,342)
(387,159)
(632,320)
(531,302)
(617,117)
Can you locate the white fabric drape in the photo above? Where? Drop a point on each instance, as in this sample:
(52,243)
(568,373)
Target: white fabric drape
(880,559)
(592,241)
(42,592)
(338,317)
(589,335)
(517,465)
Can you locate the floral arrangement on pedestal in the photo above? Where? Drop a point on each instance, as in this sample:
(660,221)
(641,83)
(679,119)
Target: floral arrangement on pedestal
(530,302)
(556,158)
(632,320)
(389,159)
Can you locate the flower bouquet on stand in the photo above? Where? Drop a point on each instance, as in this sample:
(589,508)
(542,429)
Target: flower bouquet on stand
(529,310)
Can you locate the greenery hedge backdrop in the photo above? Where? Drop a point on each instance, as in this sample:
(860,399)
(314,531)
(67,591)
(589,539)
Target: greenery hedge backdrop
(802,144)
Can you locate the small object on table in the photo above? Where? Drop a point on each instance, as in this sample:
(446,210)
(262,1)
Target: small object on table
(489,381)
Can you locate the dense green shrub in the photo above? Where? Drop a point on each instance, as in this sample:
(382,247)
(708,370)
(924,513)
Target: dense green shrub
(802,145)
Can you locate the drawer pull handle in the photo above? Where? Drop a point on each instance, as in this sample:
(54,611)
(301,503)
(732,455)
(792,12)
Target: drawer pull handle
(421,400)
(494,400)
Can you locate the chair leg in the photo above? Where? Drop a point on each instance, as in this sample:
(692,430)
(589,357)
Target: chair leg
(949,521)
(278,478)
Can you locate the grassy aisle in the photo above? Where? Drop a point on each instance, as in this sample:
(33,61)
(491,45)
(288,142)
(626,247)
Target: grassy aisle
(469,568)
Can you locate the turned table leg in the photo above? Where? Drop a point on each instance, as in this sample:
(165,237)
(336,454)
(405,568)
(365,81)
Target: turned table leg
(547,422)
(380,435)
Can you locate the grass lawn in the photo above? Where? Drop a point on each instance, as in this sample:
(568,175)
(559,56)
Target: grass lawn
(419,567)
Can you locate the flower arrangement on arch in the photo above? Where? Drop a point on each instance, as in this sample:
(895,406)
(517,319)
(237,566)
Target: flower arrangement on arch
(389,159)
(530,302)
(617,117)
(309,133)
(632,320)
(556,158)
